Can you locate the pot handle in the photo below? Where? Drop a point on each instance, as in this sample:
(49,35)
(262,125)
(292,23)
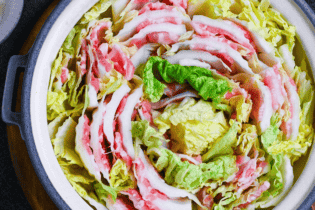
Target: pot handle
(8,116)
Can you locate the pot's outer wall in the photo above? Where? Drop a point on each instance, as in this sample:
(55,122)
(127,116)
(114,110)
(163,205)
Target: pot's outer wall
(25,106)
(26,129)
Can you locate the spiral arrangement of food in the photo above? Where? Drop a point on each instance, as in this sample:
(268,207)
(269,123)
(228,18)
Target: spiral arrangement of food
(176,104)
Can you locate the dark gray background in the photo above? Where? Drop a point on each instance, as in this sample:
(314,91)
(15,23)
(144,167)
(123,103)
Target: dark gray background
(11,194)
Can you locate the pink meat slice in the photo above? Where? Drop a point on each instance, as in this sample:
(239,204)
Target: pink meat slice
(272,79)
(146,190)
(193,160)
(97,142)
(102,63)
(219,47)
(166,101)
(153,17)
(119,204)
(147,22)
(256,194)
(154,189)
(138,201)
(103,49)
(198,55)
(205,26)
(145,111)
(84,57)
(163,33)
(109,116)
(143,54)
(96,39)
(262,100)
(122,63)
(236,92)
(119,150)
(291,127)
(97,33)
(156,37)
(124,121)
(64,74)
(265,50)
(122,105)
(95,83)
(153,6)
(82,146)
(173,89)
(178,3)
(205,198)
(249,171)
(86,135)
(162,37)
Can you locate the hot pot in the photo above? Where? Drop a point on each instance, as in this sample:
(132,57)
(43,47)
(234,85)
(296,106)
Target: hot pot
(32,119)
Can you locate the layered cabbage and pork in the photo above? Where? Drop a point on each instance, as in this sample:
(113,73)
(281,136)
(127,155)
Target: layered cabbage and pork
(177,104)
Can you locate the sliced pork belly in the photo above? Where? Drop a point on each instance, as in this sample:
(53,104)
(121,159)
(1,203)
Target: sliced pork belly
(124,121)
(153,188)
(64,74)
(152,6)
(192,62)
(122,63)
(119,204)
(154,17)
(120,8)
(219,47)
(97,142)
(261,97)
(172,89)
(178,3)
(120,151)
(96,39)
(145,111)
(253,194)
(265,51)
(291,127)
(92,83)
(97,32)
(82,146)
(205,198)
(194,160)
(199,55)
(272,79)
(205,26)
(82,58)
(92,96)
(138,201)
(166,101)
(143,54)
(249,171)
(163,33)
(111,108)
(103,64)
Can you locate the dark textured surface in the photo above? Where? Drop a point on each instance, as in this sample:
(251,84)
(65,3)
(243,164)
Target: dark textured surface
(11,194)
